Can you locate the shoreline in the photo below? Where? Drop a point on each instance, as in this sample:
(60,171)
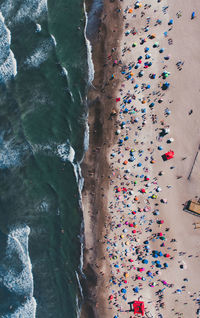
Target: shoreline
(97,167)
(100,137)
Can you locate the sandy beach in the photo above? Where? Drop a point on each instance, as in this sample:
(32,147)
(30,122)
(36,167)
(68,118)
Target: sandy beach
(140,243)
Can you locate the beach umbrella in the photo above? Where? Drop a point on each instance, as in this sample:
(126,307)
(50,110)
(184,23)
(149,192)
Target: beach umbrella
(117,266)
(118,131)
(167,255)
(160,148)
(149,274)
(151,105)
(139,164)
(148,86)
(123,290)
(143,190)
(125,162)
(158,265)
(130,10)
(160,254)
(126,275)
(162,238)
(161,50)
(111,297)
(134,44)
(156,44)
(193,15)
(136,198)
(158,189)
(146,242)
(136,289)
(131,260)
(170,22)
(126,138)
(145,261)
(136,86)
(170,140)
(146,49)
(166,265)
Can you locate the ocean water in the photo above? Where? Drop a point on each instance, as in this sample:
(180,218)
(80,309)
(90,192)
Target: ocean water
(45,72)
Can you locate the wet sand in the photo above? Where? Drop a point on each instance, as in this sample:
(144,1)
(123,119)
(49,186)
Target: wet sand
(119,218)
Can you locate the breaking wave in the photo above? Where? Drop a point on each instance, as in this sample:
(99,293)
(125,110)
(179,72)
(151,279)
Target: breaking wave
(16,272)
(8,64)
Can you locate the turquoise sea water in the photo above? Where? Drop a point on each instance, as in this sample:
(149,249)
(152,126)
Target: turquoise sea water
(44,75)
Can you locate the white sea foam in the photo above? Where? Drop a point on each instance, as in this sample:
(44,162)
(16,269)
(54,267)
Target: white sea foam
(89,51)
(65,73)
(16,275)
(54,39)
(40,54)
(27,310)
(31,9)
(8,64)
(38,28)
(9,155)
(86,136)
(66,152)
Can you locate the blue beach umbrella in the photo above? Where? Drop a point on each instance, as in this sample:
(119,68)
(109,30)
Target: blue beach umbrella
(166,265)
(171,21)
(123,290)
(146,49)
(145,261)
(136,289)
(139,164)
(160,148)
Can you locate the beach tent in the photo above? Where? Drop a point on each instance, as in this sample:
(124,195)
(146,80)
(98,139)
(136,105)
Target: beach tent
(138,307)
(169,155)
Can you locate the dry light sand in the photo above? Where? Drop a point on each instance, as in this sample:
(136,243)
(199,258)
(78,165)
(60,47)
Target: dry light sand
(129,223)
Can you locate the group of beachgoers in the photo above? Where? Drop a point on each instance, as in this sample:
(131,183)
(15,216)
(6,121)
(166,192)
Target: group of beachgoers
(137,237)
